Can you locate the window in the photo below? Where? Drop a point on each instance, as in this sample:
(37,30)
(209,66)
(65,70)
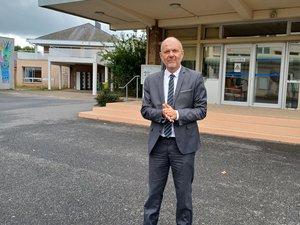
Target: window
(267,50)
(211,61)
(183,34)
(263,50)
(189,59)
(295,29)
(293,82)
(255,29)
(211,32)
(32,74)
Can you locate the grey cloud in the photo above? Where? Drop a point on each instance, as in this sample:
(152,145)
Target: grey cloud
(25,18)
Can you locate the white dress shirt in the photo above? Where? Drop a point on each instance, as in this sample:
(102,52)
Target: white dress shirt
(166,90)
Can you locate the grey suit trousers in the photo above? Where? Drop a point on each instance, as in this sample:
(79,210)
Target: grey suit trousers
(165,155)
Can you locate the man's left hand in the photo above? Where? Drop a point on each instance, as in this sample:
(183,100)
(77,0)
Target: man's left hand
(169,113)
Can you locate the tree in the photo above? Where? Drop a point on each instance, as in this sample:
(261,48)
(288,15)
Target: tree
(24,49)
(125,59)
(18,48)
(28,49)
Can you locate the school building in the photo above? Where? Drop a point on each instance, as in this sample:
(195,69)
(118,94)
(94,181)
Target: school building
(247,50)
(69,59)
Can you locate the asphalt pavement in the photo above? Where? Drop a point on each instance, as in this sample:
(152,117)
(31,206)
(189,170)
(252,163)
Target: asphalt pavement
(57,168)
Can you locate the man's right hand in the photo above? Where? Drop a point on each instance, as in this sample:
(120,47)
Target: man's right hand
(168,112)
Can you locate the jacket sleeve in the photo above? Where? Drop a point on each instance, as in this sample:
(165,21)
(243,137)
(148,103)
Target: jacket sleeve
(199,108)
(149,111)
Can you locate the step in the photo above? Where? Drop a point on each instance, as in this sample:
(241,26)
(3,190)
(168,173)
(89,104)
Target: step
(254,119)
(114,118)
(255,127)
(118,110)
(250,134)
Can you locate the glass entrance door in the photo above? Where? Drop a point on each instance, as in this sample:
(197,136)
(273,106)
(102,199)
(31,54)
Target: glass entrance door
(293,79)
(237,70)
(253,75)
(267,77)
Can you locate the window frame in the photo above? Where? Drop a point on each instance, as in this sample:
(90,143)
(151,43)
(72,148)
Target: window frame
(29,74)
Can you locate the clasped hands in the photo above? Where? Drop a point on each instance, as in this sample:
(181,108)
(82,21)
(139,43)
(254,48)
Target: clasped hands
(168,112)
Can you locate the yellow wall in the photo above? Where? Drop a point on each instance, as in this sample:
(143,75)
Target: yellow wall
(44,68)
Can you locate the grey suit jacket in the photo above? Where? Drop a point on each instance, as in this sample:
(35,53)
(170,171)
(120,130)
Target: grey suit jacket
(190,100)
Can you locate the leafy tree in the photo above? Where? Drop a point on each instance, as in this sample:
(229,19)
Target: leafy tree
(125,59)
(18,48)
(24,49)
(28,49)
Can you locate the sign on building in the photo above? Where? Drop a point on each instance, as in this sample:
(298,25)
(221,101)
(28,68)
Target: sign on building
(148,69)
(237,67)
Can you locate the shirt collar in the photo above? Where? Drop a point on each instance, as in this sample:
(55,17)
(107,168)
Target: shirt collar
(176,73)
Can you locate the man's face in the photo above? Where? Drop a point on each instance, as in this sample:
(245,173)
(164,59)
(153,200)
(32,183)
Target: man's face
(171,54)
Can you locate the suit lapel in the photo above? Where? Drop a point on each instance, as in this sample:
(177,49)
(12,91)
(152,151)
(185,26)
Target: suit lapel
(161,87)
(179,82)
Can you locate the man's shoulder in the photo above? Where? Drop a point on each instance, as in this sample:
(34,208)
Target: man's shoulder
(191,72)
(154,76)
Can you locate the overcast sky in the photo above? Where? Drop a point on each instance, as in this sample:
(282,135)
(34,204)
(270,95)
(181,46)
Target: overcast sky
(23,19)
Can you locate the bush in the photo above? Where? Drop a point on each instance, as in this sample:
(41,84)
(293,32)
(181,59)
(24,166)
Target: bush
(106,96)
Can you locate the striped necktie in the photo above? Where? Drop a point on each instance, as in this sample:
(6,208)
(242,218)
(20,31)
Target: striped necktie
(168,125)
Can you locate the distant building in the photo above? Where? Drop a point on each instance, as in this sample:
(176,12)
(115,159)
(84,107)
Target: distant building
(70,59)
(6,63)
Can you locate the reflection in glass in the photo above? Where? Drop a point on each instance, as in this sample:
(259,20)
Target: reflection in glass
(294,62)
(189,59)
(237,74)
(292,94)
(295,28)
(211,61)
(293,82)
(32,74)
(267,74)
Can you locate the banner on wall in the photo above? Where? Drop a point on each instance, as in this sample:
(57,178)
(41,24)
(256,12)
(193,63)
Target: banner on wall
(6,63)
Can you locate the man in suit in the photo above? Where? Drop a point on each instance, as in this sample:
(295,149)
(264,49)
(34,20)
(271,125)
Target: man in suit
(174,99)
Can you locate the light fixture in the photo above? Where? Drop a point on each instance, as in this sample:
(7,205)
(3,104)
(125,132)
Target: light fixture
(273,13)
(175,5)
(99,12)
(178,5)
(114,17)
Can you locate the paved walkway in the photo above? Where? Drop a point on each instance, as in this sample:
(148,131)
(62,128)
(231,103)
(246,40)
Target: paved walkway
(280,125)
(237,121)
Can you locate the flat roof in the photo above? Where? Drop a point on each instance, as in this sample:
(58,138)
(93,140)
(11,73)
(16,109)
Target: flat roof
(136,14)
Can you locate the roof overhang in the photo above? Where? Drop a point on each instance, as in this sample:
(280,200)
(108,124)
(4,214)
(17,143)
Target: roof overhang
(43,42)
(136,14)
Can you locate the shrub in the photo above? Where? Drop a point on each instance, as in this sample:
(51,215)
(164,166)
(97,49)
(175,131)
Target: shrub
(106,96)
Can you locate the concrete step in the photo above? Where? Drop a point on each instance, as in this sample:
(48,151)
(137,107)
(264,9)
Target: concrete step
(114,118)
(249,127)
(117,112)
(136,105)
(237,125)
(254,119)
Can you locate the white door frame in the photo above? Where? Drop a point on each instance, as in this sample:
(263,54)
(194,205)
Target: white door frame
(224,75)
(281,78)
(251,78)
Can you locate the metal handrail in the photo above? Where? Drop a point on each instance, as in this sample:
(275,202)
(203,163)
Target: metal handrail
(137,87)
